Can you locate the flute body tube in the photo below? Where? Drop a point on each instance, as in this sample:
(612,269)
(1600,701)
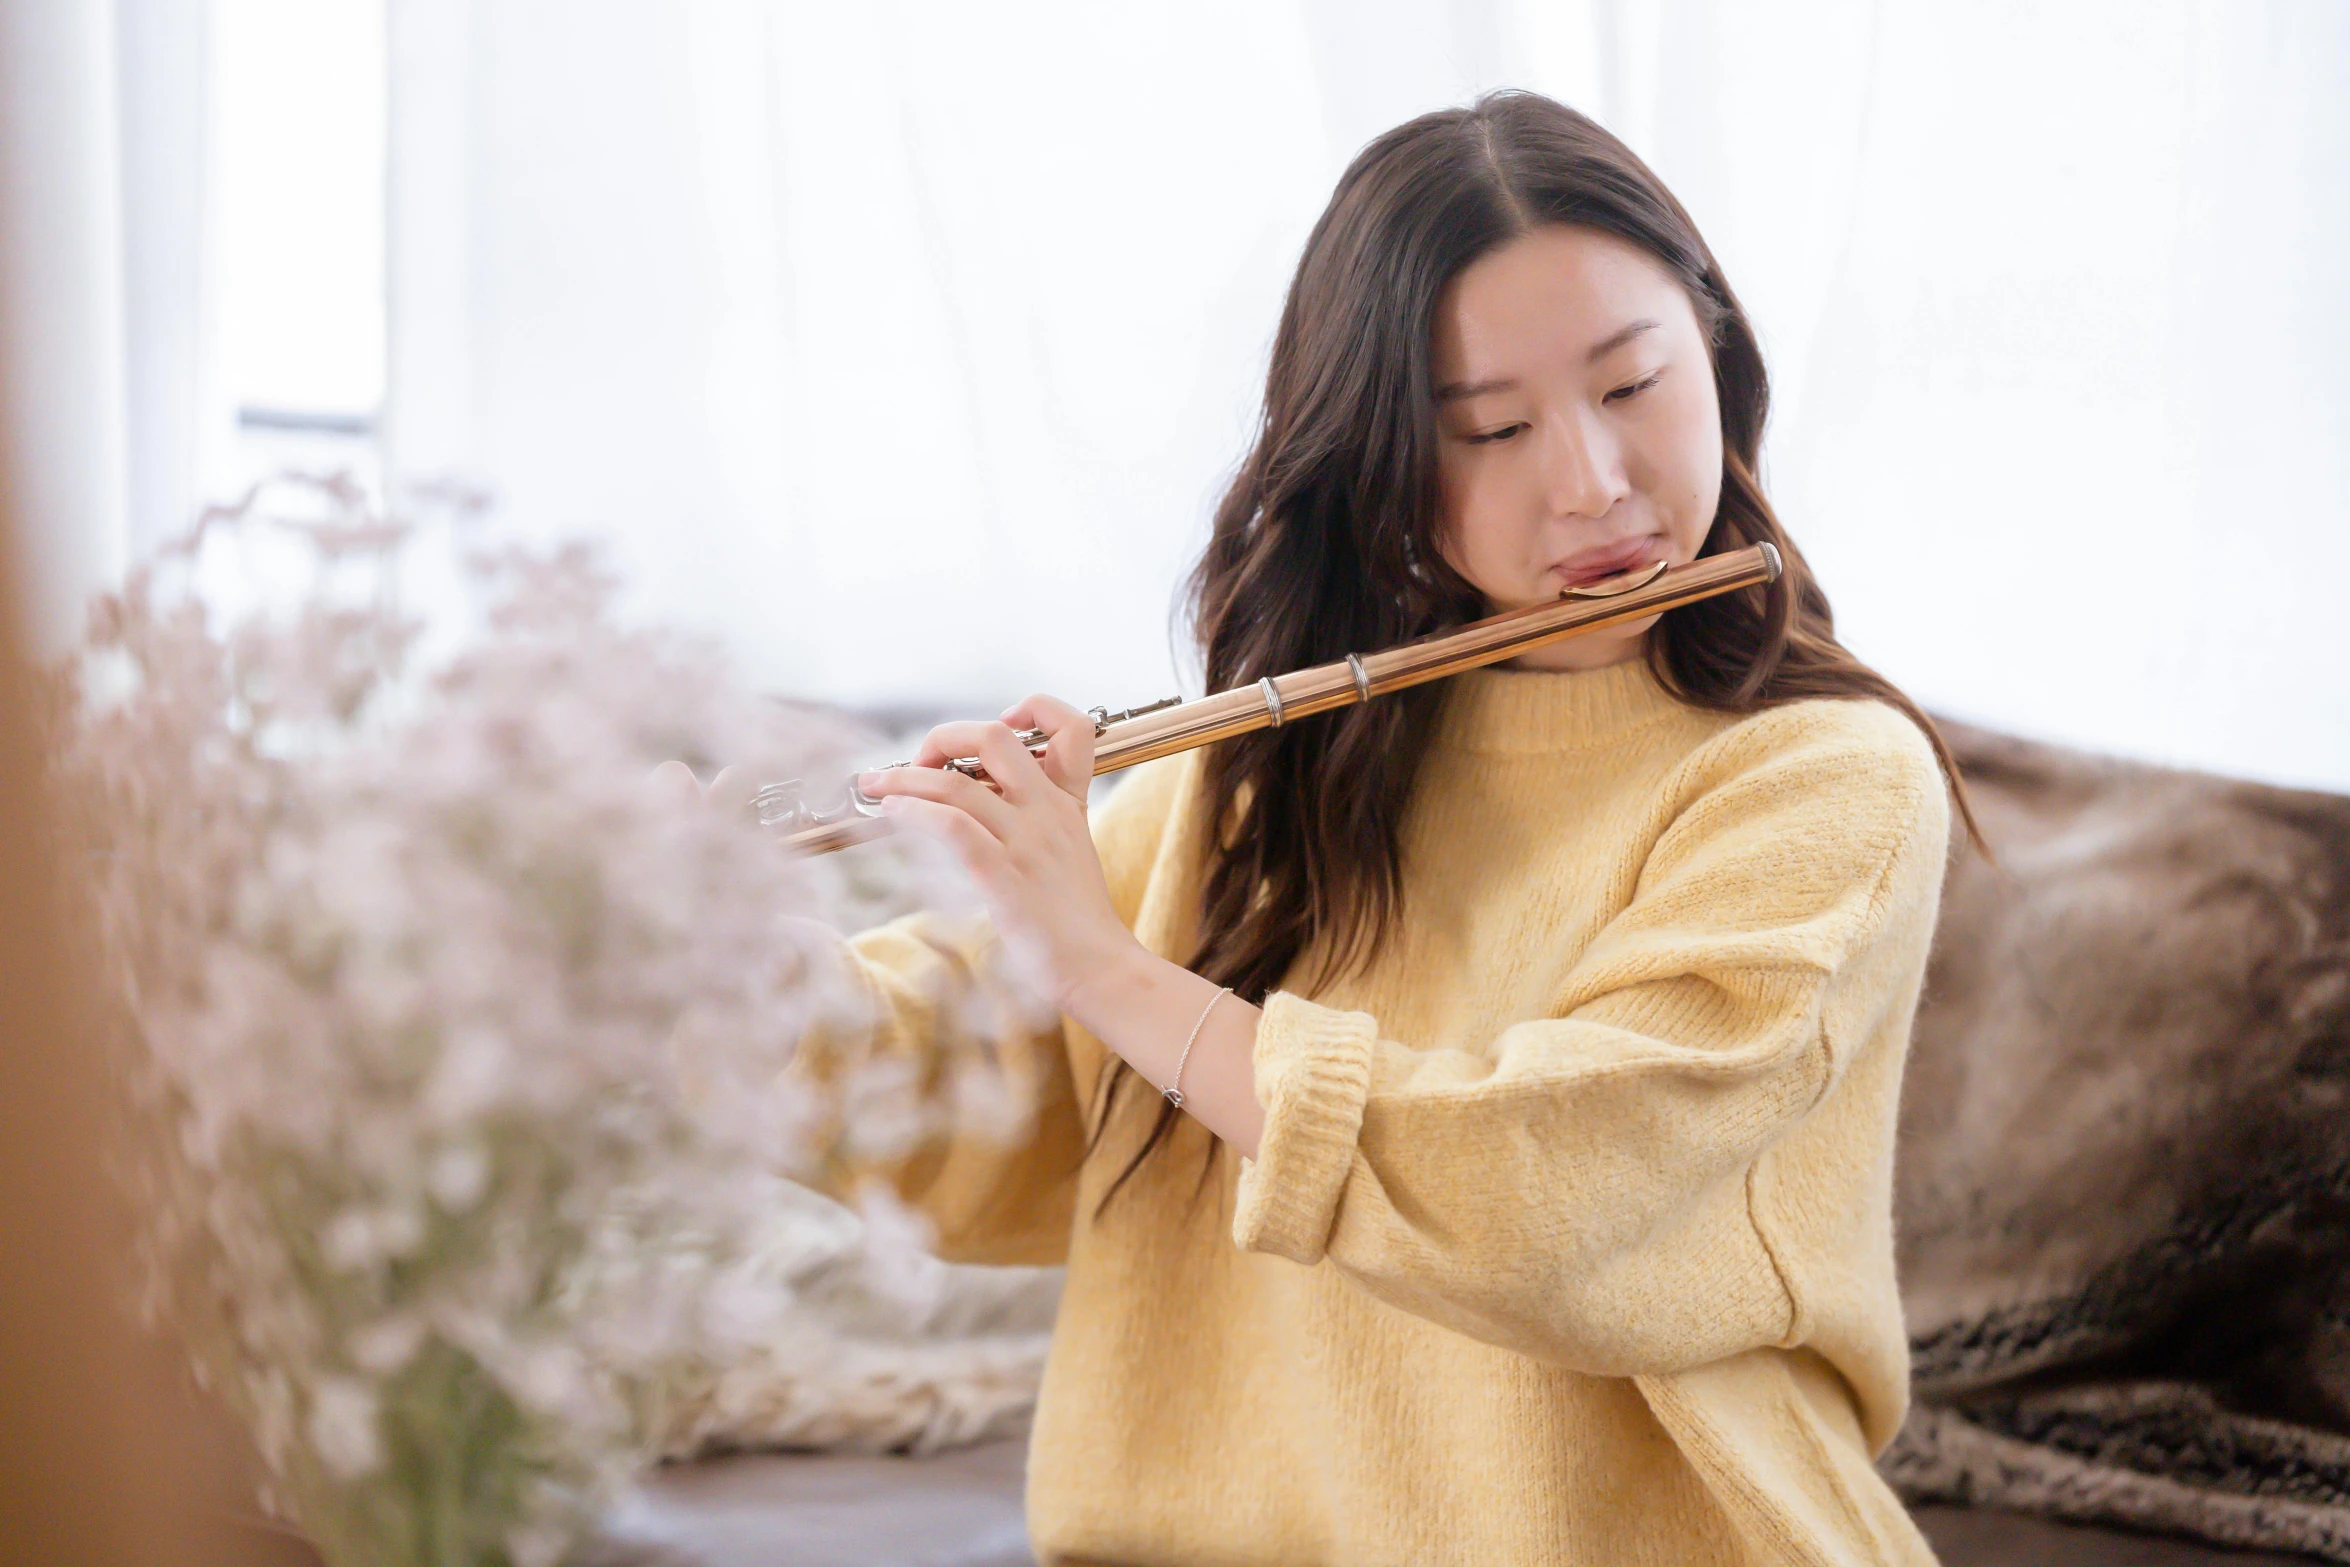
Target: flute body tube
(1145,734)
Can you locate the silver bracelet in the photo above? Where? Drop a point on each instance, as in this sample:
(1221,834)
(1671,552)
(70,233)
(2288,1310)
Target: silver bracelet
(1174,1090)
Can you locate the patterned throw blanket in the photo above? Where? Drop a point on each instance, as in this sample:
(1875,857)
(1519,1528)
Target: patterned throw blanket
(2124,1180)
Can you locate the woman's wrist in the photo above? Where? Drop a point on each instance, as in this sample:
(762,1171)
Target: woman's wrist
(1106,982)
(1170,1024)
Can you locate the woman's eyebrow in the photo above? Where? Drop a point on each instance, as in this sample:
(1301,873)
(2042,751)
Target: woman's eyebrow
(1454,391)
(1618,338)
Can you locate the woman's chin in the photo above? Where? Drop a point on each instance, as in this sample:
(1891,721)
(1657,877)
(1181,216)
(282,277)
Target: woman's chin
(1616,645)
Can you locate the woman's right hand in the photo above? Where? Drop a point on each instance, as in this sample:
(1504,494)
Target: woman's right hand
(1022,834)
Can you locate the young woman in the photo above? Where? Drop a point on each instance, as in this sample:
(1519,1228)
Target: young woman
(1538,1032)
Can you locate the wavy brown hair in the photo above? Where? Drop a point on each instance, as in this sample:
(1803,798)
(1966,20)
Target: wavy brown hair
(1326,541)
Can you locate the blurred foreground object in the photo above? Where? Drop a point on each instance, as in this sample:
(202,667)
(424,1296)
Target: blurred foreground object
(463,1041)
(100,1465)
(2124,1170)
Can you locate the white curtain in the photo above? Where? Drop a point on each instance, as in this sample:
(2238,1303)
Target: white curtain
(62,408)
(2055,300)
(904,345)
(106,398)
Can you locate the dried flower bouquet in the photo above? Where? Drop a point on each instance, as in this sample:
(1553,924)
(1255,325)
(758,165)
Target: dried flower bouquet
(458,1044)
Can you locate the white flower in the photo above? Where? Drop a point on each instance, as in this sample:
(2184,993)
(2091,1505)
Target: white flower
(357,1239)
(470,1074)
(538,1544)
(350,1243)
(897,1249)
(552,1379)
(384,1346)
(456,1176)
(342,1427)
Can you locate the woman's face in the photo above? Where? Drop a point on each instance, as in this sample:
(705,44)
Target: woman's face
(1580,433)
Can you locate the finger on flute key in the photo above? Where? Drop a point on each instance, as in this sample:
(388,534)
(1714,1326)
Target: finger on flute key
(1011,765)
(948,741)
(1068,752)
(942,787)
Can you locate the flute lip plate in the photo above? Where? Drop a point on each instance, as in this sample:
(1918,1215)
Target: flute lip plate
(1618,585)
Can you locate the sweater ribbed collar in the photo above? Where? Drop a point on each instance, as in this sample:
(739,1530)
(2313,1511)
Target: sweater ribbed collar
(1526,712)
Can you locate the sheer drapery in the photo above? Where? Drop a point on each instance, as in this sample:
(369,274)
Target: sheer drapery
(61,311)
(2054,299)
(905,345)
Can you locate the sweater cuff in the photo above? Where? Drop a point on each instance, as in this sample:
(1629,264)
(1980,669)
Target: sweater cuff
(1313,1072)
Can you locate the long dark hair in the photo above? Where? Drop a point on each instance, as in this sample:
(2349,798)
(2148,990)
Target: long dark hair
(1326,541)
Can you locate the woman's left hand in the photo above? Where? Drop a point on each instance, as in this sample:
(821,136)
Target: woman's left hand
(1028,846)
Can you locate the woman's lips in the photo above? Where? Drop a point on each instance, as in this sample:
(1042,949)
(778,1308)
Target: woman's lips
(1609,560)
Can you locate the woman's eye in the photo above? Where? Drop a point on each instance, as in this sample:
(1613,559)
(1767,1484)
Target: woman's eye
(1488,437)
(1627,393)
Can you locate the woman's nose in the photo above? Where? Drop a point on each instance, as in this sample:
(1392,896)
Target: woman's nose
(1583,469)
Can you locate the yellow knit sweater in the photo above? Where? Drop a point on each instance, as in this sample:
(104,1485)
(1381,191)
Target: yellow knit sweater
(1569,1240)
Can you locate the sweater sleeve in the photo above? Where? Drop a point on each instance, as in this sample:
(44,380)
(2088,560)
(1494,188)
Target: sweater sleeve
(1581,1188)
(938,1006)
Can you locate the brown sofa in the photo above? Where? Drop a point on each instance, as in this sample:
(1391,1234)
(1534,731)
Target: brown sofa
(2122,1191)
(962,1509)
